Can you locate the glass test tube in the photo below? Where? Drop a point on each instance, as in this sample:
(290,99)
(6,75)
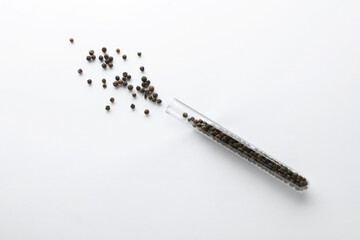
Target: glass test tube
(236,144)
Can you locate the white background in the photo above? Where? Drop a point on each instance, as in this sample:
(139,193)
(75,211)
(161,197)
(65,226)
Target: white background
(284,75)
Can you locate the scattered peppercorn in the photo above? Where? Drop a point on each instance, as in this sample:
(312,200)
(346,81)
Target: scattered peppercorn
(124,78)
(147,91)
(118,50)
(103,80)
(124,83)
(151,88)
(145,96)
(142,90)
(133,94)
(155,95)
(124,57)
(116,83)
(159,101)
(138,88)
(104,85)
(132,106)
(103,65)
(107,108)
(150,97)
(88,58)
(89,81)
(111,59)
(104,49)
(130,87)
(128,76)
(185,115)
(139,54)
(101,58)
(91,52)
(117,77)
(154,99)
(143,79)
(110,65)
(124,74)
(142,68)
(146,111)
(93,57)
(106,56)
(71,40)
(80,71)
(112,99)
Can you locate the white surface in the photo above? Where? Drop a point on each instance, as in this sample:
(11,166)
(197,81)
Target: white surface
(284,75)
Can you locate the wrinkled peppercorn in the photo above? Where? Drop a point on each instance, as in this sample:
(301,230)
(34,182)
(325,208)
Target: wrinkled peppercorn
(124,74)
(128,76)
(155,95)
(106,56)
(93,57)
(139,54)
(71,40)
(117,77)
(89,81)
(118,50)
(104,85)
(103,65)
(132,106)
(124,57)
(91,52)
(138,88)
(112,99)
(143,79)
(146,111)
(116,83)
(142,68)
(104,49)
(142,90)
(101,58)
(130,87)
(150,97)
(80,71)
(110,65)
(88,58)
(133,94)
(159,101)
(185,115)
(107,108)
(151,88)
(103,80)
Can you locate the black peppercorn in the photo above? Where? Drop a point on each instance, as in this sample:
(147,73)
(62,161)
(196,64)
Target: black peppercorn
(147,91)
(153,99)
(103,80)
(155,95)
(110,65)
(103,65)
(143,84)
(124,74)
(159,101)
(143,79)
(185,115)
(124,83)
(111,59)
(71,40)
(151,88)
(107,108)
(138,88)
(139,54)
(80,71)
(124,78)
(89,81)
(146,111)
(117,77)
(124,57)
(130,87)
(91,52)
(121,82)
(116,83)
(88,58)
(133,94)
(128,76)
(106,56)
(93,57)
(132,106)
(150,97)
(104,49)
(142,90)
(148,82)
(101,58)
(145,96)
(112,99)
(118,50)
(142,68)
(104,85)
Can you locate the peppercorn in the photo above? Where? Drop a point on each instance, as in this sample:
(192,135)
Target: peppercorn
(124,74)
(107,108)
(145,96)
(117,77)
(116,83)
(112,99)
(103,80)
(128,76)
(101,58)
(103,65)
(111,59)
(121,82)
(185,115)
(124,78)
(104,85)
(150,97)
(104,49)
(88,58)
(148,82)
(139,54)
(142,68)
(93,57)
(133,94)
(151,88)
(91,52)
(159,101)
(138,88)
(132,106)
(124,57)
(124,83)
(89,81)
(146,111)
(71,40)
(143,79)
(130,87)
(106,56)
(143,84)
(142,90)
(154,99)
(118,50)
(111,65)
(155,95)
(80,71)
(147,91)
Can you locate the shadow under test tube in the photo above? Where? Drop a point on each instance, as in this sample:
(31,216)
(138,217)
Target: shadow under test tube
(236,144)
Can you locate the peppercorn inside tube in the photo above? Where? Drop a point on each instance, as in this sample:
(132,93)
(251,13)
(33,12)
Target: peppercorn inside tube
(236,144)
